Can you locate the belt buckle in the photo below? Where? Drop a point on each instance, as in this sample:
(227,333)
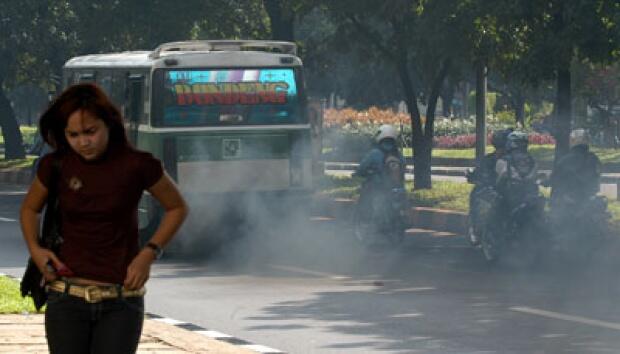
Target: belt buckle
(92,294)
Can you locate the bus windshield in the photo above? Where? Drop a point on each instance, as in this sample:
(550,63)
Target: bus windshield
(216,97)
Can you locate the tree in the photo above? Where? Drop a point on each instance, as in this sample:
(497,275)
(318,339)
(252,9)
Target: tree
(281,19)
(419,40)
(601,89)
(554,33)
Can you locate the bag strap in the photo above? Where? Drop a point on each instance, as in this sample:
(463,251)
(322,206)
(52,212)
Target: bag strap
(50,218)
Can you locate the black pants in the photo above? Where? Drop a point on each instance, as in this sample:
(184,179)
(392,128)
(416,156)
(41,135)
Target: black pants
(73,326)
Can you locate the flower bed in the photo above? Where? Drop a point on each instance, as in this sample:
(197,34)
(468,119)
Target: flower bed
(469,140)
(347,133)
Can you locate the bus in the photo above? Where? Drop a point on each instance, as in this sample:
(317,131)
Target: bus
(227,118)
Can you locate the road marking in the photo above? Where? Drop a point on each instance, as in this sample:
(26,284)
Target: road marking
(420,288)
(407,315)
(309,272)
(570,318)
(214,334)
(7,219)
(169,321)
(4,193)
(554,335)
(260,348)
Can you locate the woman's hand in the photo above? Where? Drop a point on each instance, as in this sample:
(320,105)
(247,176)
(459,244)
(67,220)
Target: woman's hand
(139,269)
(42,257)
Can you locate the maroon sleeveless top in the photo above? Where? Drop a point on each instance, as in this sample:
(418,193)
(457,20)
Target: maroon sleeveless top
(98,202)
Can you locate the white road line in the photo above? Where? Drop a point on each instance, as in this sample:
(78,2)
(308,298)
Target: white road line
(420,288)
(213,334)
(560,316)
(260,348)
(407,315)
(309,272)
(169,321)
(7,219)
(13,193)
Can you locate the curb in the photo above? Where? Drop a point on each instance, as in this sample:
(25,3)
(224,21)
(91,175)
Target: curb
(420,217)
(193,328)
(12,176)
(213,334)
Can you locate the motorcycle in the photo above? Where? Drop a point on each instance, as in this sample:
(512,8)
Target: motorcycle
(380,216)
(516,226)
(482,200)
(581,229)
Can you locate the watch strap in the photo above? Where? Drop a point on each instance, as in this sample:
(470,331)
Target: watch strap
(157,250)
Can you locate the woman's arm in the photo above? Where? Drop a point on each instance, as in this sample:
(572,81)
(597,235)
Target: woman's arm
(29,220)
(175,211)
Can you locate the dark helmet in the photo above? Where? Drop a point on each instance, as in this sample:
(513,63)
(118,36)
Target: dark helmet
(500,138)
(517,141)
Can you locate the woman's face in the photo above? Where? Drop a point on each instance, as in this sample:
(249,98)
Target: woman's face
(87,135)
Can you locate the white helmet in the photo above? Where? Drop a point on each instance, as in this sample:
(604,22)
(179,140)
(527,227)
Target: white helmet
(386,131)
(579,137)
(516,140)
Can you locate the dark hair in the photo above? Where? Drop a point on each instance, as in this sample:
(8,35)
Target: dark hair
(87,97)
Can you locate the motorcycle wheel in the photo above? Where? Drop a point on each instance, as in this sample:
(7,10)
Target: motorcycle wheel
(396,236)
(364,228)
(490,245)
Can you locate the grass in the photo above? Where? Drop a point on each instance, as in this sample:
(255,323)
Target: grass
(450,153)
(28,133)
(11,300)
(338,187)
(16,164)
(539,152)
(444,194)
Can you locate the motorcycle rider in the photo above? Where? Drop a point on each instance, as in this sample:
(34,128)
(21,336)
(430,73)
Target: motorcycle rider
(484,176)
(383,166)
(576,176)
(576,210)
(516,172)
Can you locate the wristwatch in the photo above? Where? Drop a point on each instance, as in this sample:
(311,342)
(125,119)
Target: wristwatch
(157,250)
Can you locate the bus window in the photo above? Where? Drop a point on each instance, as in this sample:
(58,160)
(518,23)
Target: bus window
(136,87)
(104,80)
(83,77)
(220,97)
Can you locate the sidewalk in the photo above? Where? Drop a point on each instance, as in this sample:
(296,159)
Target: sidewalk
(26,334)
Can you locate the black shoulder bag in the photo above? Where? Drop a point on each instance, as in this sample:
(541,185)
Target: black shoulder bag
(33,283)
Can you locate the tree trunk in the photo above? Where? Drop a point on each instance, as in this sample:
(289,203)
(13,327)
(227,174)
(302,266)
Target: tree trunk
(13,144)
(282,21)
(520,110)
(465,91)
(562,118)
(421,153)
(447,95)
(423,158)
(481,110)
(422,163)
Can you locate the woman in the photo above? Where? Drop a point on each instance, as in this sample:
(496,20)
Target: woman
(95,282)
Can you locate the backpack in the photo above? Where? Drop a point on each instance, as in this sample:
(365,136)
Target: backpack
(393,170)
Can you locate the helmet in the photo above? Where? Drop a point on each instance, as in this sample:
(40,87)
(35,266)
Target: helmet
(516,141)
(386,131)
(500,137)
(579,137)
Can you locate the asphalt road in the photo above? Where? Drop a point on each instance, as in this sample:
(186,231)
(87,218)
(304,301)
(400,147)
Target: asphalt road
(303,285)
